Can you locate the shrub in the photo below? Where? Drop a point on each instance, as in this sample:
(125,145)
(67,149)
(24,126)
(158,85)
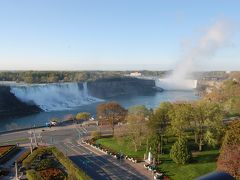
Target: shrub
(72,169)
(95,134)
(45,163)
(52,173)
(83,116)
(179,152)
(38,152)
(33,175)
(23,156)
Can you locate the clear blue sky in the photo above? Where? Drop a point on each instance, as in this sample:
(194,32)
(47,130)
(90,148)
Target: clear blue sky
(109,34)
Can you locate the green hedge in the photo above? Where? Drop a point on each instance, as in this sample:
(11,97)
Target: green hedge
(33,175)
(27,162)
(23,156)
(73,170)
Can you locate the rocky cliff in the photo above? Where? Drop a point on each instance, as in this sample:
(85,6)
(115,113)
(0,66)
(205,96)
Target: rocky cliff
(10,106)
(66,95)
(105,88)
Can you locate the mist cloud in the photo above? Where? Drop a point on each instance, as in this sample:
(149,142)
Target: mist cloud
(214,38)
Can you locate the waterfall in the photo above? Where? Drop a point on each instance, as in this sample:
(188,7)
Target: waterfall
(169,84)
(54,97)
(85,89)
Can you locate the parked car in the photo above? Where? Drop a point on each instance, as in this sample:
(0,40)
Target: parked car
(152,168)
(146,165)
(91,119)
(51,123)
(158,176)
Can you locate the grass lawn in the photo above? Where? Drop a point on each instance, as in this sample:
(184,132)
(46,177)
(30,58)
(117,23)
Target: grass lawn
(122,147)
(202,162)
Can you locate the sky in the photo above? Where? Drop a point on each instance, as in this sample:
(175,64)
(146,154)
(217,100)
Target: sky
(112,34)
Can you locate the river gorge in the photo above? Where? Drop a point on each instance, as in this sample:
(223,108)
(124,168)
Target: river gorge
(25,105)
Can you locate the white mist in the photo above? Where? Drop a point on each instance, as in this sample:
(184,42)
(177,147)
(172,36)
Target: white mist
(215,37)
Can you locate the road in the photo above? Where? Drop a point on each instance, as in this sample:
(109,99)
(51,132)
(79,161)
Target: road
(68,139)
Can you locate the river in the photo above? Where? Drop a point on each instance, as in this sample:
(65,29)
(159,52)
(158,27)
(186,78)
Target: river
(149,100)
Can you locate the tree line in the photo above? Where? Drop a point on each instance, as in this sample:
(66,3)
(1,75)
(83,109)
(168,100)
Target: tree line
(202,119)
(56,76)
(201,122)
(66,76)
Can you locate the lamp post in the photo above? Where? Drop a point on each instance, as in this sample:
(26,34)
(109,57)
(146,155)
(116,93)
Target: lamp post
(16,171)
(35,138)
(31,146)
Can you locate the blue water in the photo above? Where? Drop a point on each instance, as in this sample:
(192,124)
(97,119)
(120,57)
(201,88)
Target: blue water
(149,100)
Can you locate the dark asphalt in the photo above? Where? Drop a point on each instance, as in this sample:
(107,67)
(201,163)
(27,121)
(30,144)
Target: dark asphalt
(99,167)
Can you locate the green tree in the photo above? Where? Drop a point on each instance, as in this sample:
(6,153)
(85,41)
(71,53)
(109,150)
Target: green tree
(139,110)
(136,129)
(137,118)
(83,116)
(207,123)
(180,117)
(179,152)
(228,94)
(157,128)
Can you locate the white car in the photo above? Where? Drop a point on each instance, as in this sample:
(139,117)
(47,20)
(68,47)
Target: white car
(158,176)
(91,119)
(53,123)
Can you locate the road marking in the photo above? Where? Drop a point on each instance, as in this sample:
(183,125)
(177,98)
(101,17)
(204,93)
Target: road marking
(108,173)
(110,161)
(98,153)
(104,164)
(78,130)
(84,129)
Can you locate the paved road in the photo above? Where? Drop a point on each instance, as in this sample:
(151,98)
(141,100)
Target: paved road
(96,165)
(67,139)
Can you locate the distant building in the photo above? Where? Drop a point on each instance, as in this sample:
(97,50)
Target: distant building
(135,74)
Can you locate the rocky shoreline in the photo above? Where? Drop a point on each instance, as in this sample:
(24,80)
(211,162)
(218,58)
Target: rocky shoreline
(10,106)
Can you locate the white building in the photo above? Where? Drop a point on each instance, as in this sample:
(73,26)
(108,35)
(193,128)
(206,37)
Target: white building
(135,74)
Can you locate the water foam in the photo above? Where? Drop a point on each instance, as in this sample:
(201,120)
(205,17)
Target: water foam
(179,84)
(54,97)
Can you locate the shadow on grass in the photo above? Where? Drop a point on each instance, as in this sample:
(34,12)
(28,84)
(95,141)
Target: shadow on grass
(205,158)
